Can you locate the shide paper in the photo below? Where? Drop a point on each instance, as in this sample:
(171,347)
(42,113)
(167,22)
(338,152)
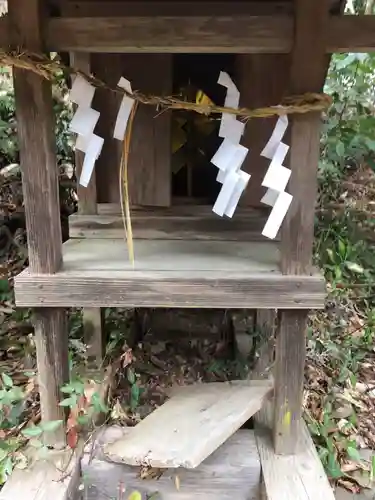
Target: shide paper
(93,151)
(230,155)
(83,124)
(276,179)
(126,106)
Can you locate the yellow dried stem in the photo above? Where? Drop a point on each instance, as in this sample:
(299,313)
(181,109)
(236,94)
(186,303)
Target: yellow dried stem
(124,186)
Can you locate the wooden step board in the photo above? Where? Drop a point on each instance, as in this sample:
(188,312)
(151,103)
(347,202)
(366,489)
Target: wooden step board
(231,473)
(293,477)
(191,425)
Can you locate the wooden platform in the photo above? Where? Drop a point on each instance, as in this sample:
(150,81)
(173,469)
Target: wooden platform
(232,472)
(170,273)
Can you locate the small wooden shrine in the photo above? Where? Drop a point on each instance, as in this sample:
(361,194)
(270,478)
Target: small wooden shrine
(185,255)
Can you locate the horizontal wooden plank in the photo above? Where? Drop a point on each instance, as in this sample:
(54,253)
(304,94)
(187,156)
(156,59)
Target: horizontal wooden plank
(200,34)
(170,273)
(194,227)
(233,471)
(176,8)
(178,210)
(351,34)
(173,34)
(300,476)
(191,425)
(204,8)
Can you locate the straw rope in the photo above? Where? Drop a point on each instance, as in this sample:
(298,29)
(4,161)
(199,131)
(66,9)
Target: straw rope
(47,68)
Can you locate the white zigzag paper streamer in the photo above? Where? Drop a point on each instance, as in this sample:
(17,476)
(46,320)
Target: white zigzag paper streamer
(276,179)
(230,155)
(123,114)
(83,124)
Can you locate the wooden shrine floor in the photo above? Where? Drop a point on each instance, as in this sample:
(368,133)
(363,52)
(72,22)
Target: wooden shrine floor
(96,272)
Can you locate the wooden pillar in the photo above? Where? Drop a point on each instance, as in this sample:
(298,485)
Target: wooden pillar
(35,122)
(262,80)
(87,205)
(308,68)
(108,68)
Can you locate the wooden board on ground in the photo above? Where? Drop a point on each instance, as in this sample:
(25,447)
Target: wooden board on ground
(298,477)
(231,472)
(191,425)
(55,478)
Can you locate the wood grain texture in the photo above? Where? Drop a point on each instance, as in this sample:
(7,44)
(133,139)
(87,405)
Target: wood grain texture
(57,477)
(173,34)
(93,321)
(343,34)
(297,477)
(93,326)
(308,70)
(149,168)
(289,377)
(191,425)
(53,369)
(175,8)
(87,199)
(233,471)
(195,227)
(35,125)
(108,67)
(268,74)
(170,273)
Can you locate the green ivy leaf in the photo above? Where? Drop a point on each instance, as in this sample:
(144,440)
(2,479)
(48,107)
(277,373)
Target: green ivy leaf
(32,432)
(50,426)
(340,149)
(70,402)
(354,267)
(353,454)
(134,396)
(131,376)
(135,495)
(35,443)
(7,380)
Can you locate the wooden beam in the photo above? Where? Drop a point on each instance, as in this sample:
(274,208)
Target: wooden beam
(350,34)
(150,226)
(175,8)
(243,34)
(35,123)
(170,273)
(308,68)
(173,34)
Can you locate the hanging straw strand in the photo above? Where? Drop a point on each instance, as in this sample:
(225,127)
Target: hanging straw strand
(124,186)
